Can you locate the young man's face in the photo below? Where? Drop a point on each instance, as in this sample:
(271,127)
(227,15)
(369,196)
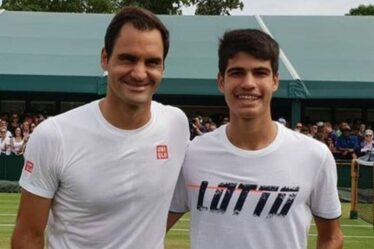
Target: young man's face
(135,67)
(248,86)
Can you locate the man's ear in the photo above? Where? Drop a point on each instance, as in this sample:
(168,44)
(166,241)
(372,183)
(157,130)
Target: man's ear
(104,59)
(221,82)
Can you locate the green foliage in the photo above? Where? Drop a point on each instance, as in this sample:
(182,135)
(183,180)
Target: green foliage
(168,7)
(216,7)
(79,6)
(362,10)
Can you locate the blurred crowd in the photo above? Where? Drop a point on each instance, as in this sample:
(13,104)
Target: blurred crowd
(15,131)
(346,140)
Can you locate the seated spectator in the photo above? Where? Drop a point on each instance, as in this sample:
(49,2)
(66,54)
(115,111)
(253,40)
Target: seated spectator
(213,126)
(4,124)
(367,144)
(330,142)
(17,142)
(313,129)
(32,127)
(4,141)
(305,130)
(329,131)
(361,132)
(196,129)
(25,130)
(14,123)
(346,143)
(298,127)
(225,120)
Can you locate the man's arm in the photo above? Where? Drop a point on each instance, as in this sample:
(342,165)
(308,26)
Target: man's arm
(31,221)
(172,219)
(329,234)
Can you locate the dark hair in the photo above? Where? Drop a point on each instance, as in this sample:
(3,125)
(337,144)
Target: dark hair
(250,41)
(142,19)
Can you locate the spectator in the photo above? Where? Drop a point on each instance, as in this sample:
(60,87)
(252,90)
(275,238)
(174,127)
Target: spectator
(14,123)
(196,129)
(329,132)
(17,142)
(330,142)
(32,127)
(4,124)
(298,127)
(225,120)
(25,130)
(361,132)
(367,144)
(213,126)
(313,129)
(305,130)
(346,143)
(4,141)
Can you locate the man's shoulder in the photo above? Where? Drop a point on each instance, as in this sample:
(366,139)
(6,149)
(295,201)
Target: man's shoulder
(77,112)
(168,111)
(208,139)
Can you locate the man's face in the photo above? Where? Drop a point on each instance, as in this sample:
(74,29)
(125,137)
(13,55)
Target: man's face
(248,86)
(135,66)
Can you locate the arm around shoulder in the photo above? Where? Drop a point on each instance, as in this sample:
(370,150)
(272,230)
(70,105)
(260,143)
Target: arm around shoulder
(31,222)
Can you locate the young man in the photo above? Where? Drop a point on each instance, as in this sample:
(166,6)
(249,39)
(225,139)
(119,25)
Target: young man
(244,184)
(106,171)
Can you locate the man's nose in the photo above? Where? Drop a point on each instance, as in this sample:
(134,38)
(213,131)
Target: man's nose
(249,81)
(139,71)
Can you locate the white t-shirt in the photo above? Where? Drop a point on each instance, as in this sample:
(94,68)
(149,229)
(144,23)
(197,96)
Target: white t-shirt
(111,188)
(261,199)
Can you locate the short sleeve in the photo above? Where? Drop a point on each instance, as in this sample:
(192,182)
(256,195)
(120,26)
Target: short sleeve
(40,174)
(325,199)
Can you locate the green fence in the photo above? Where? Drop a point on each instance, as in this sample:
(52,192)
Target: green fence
(10,167)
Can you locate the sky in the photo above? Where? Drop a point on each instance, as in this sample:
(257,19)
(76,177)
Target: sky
(295,7)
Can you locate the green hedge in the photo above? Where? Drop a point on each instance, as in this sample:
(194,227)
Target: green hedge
(9,187)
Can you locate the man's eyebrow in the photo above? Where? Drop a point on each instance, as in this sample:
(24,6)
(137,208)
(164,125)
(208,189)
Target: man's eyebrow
(235,69)
(262,69)
(127,56)
(154,60)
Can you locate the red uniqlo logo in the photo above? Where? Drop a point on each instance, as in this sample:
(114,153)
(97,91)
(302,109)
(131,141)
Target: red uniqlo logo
(29,166)
(162,152)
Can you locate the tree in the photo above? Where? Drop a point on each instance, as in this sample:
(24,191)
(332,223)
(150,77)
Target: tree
(168,7)
(216,7)
(362,10)
(80,6)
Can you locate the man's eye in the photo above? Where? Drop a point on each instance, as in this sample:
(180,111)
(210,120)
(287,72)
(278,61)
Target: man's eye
(154,63)
(235,73)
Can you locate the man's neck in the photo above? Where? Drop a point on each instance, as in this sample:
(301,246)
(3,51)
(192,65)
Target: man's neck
(251,134)
(125,116)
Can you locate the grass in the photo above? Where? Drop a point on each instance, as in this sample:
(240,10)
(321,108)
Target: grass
(358,234)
